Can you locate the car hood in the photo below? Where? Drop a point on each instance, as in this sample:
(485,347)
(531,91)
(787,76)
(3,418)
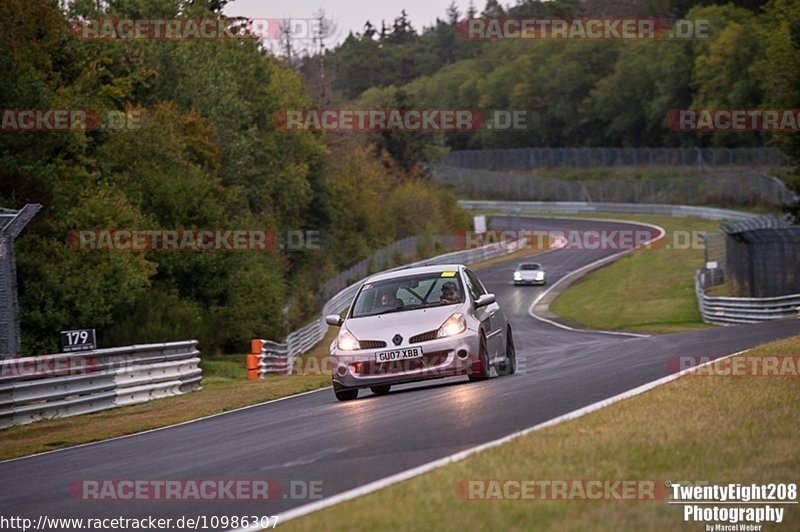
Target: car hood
(405,323)
(529,274)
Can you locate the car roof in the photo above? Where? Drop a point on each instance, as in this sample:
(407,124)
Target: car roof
(521,264)
(417,270)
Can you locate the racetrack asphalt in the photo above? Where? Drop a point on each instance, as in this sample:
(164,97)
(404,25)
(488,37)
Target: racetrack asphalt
(343,445)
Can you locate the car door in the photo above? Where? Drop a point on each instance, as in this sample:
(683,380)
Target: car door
(490,315)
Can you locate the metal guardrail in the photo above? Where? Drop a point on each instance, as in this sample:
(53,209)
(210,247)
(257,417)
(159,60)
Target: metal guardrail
(388,257)
(734,188)
(581,207)
(69,384)
(736,310)
(268,357)
(606,157)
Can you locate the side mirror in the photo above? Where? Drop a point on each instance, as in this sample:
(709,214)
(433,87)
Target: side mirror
(334,319)
(485,300)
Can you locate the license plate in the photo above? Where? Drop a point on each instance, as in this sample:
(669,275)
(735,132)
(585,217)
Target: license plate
(398,354)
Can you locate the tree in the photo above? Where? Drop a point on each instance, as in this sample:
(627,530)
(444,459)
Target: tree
(407,149)
(648,80)
(779,71)
(493,9)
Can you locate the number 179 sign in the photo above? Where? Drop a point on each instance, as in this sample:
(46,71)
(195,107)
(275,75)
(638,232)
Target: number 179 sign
(80,340)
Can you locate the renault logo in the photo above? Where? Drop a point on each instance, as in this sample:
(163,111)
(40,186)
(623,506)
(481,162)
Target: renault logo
(397,339)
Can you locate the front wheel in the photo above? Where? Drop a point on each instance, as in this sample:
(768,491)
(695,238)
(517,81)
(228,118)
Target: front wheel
(480,372)
(509,366)
(344,394)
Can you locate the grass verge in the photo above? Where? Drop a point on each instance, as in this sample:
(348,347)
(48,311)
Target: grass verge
(648,291)
(647,172)
(720,290)
(701,429)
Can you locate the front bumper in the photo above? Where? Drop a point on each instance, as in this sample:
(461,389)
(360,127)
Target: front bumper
(532,282)
(443,357)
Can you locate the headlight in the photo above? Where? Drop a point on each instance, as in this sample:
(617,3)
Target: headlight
(539,276)
(346,341)
(454,325)
(517,276)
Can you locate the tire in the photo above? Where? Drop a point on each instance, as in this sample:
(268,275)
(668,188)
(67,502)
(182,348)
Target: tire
(482,372)
(383,389)
(345,394)
(509,367)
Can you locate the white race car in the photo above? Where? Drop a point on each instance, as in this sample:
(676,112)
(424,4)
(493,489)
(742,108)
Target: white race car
(419,323)
(530,273)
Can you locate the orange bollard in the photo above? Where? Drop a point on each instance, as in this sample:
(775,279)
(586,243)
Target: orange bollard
(253,371)
(256,347)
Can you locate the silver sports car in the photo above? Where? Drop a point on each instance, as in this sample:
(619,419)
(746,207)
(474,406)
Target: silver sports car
(419,323)
(529,273)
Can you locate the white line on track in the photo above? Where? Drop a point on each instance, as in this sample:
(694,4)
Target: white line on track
(165,427)
(575,273)
(461,455)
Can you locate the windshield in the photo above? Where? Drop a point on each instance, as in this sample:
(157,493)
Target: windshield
(408,293)
(528,266)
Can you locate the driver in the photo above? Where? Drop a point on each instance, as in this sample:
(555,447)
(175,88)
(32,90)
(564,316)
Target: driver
(388,299)
(450,293)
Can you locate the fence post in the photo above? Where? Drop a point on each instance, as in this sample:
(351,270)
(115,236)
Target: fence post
(12,223)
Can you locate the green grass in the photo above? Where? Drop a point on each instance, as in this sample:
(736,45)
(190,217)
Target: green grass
(642,172)
(622,172)
(650,290)
(702,429)
(720,290)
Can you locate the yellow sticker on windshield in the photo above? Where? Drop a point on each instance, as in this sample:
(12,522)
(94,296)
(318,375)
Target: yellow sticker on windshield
(448,274)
